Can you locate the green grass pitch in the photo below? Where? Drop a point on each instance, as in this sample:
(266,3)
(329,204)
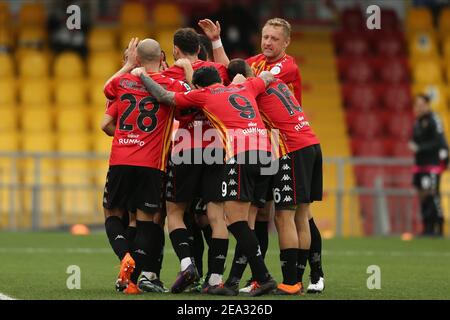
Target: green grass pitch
(33,266)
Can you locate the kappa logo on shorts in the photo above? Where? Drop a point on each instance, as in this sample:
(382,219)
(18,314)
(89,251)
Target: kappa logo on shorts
(104,200)
(287,199)
(169,184)
(285,157)
(169,194)
(286,178)
(286,188)
(232,171)
(233,193)
(285,167)
(150,205)
(170,174)
(106,190)
(232,182)
(232,161)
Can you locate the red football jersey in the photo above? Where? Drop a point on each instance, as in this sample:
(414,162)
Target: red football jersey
(193,120)
(233,111)
(284,68)
(280,110)
(144,126)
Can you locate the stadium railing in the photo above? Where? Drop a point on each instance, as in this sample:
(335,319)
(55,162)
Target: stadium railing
(40,191)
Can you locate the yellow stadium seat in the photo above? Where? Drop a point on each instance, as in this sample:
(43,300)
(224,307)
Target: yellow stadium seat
(9,141)
(34,92)
(165,39)
(8,91)
(96,95)
(6,65)
(128,33)
(419,18)
(102,66)
(447,73)
(101,39)
(436,91)
(32,37)
(133,14)
(32,14)
(102,146)
(167,15)
(73,142)
(444,21)
(34,64)
(70,93)
(5,14)
(8,118)
(72,120)
(6,37)
(96,116)
(68,65)
(423,44)
(37,119)
(446,47)
(427,71)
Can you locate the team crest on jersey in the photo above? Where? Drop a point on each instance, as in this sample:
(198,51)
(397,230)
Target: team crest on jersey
(275,70)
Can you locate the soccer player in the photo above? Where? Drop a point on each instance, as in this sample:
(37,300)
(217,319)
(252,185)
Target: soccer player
(187,177)
(137,165)
(298,181)
(431,158)
(233,112)
(275,39)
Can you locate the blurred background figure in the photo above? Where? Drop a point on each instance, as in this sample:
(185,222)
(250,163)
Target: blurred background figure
(431,159)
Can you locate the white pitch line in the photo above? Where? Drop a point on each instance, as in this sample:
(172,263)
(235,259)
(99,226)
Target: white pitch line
(5,297)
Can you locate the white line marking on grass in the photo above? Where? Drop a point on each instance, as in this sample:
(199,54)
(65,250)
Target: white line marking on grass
(5,297)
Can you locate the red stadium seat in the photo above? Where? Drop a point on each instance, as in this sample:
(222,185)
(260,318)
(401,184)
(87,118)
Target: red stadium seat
(366,175)
(352,19)
(396,97)
(366,125)
(399,148)
(391,70)
(354,45)
(389,44)
(368,147)
(399,125)
(356,70)
(389,20)
(362,97)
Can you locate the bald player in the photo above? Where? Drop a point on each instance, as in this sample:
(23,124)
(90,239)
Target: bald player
(137,167)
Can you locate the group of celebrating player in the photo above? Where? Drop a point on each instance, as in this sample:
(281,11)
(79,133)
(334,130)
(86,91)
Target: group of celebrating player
(243,148)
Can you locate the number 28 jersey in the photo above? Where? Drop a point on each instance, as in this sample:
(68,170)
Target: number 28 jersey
(144,126)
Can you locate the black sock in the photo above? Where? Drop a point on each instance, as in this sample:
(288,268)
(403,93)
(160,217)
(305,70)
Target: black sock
(207,233)
(288,259)
(315,251)
(262,234)
(144,248)
(130,233)
(180,243)
(246,239)
(160,241)
(219,249)
(238,266)
(302,257)
(116,235)
(197,248)
(428,213)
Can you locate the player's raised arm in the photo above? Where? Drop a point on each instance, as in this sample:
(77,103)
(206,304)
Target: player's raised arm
(267,77)
(130,63)
(161,94)
(212,31)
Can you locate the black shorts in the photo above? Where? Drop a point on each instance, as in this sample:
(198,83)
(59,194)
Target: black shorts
(185,179)
(426,181)
(131,187)
(237,180)
(299,178)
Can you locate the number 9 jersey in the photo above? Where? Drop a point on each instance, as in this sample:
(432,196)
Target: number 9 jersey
(144,126)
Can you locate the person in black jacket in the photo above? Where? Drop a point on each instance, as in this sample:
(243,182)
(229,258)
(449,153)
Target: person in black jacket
(431,158)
